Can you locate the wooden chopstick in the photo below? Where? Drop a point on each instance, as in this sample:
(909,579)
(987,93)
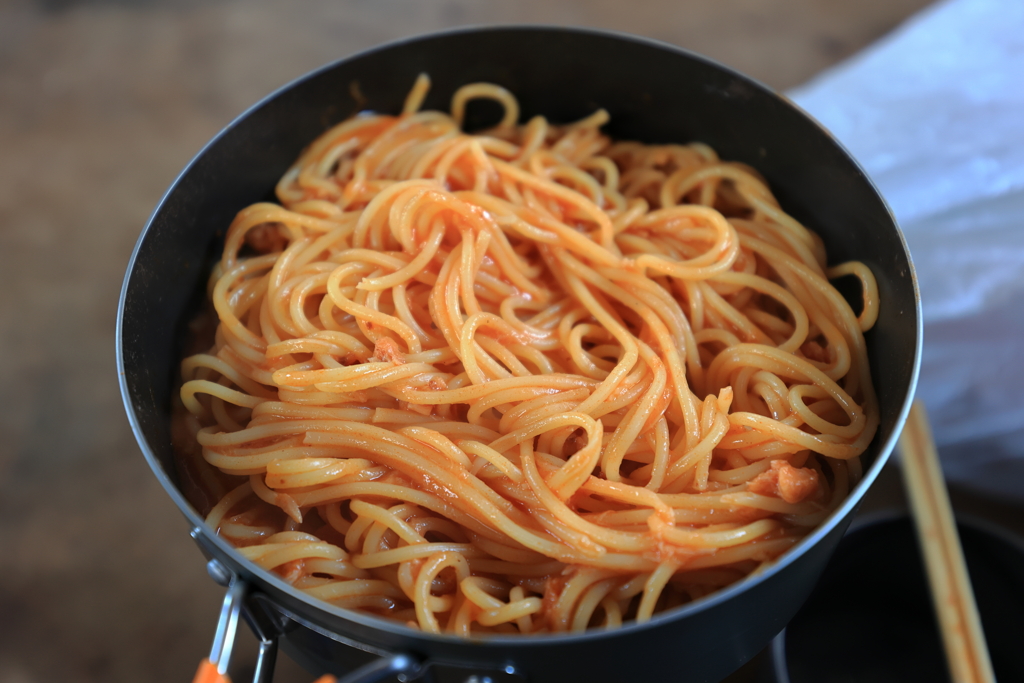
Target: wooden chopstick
(952,595)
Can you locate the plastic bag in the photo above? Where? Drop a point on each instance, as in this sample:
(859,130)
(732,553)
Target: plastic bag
(935,114)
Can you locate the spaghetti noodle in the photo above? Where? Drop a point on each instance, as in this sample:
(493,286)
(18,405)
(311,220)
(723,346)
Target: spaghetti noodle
(525,380)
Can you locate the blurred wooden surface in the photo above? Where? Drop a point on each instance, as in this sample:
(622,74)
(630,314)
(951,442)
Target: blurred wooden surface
(101,104)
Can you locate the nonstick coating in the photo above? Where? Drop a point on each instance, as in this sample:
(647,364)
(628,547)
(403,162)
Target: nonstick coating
(654,93)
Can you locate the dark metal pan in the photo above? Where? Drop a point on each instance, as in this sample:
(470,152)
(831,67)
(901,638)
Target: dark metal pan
(654,93)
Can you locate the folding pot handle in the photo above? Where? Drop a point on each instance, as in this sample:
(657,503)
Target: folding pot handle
(214,668)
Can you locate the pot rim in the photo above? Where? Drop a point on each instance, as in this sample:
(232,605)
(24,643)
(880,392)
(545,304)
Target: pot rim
(524,640)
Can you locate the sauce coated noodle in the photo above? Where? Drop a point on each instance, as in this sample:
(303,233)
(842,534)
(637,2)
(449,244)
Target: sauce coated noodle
(526,380)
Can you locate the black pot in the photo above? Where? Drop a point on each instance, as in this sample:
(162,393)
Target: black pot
(654,93)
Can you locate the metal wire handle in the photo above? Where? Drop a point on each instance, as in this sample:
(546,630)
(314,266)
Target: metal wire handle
(214,668)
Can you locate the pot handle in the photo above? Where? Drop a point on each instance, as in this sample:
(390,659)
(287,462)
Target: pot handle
(214,668)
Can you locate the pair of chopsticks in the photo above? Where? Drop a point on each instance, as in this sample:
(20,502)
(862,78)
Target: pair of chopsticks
(962,637)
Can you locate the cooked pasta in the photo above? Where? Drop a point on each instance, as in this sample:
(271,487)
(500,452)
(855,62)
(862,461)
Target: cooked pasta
(525,380)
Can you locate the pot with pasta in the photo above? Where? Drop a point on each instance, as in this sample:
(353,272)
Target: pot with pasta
(521,352)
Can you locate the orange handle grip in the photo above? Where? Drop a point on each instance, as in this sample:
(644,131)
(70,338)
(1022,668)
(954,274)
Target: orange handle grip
(207,673)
